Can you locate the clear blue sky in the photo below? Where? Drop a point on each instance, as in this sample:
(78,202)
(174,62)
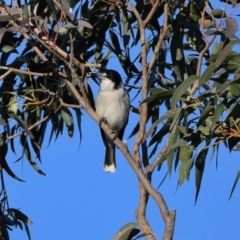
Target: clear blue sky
(78,200)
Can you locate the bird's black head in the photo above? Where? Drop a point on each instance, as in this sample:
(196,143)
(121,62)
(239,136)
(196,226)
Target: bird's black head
(114,76)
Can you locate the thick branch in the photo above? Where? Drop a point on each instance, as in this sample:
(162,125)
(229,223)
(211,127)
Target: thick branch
(169,227)
(140,213)
(155,194)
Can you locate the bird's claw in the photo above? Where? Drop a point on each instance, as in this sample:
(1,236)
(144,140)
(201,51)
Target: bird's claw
(102,119)
(114,136)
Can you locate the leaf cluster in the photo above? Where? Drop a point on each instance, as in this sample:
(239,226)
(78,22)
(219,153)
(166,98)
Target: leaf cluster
(193,77)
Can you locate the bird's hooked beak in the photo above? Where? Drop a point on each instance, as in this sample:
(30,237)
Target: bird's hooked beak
(99,76)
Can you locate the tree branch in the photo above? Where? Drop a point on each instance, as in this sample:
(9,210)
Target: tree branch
(155,194)
(151,13)
(160,39)
(140,213)
(15,70)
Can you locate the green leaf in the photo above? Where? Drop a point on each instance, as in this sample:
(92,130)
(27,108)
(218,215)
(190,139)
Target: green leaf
(172,140)
(82,23)
(68,120)
(176,117)
(12,13)
(218,13)
(99,45)
(28,155)
(200,165)
(207,74)
(234,89)
(27,231)
(217,113)
(17,214)
(8,170)
(115,41)
(234,184)
(182,89)
(8,49)
(225,51)
(125,231)
(168,115)
(180,143)
(204,130)
(79,120)
(206,24)
(158,137)
(159,94)
(231,27)
(205,113)
(13,105)
(24,125)
(25,12)
(232,142)
(184,170)
(12,140)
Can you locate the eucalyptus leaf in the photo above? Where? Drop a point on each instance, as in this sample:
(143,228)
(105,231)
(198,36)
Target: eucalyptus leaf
(8,49)
(125,231)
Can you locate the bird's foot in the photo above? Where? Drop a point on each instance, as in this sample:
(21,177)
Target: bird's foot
(114,135)
(102,119)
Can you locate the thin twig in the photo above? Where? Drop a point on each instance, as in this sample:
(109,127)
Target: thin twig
(151,13)
(30,128)
(160,39)
(63,104)
(15,70)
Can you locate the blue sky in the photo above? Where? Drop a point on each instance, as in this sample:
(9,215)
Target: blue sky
(78,200)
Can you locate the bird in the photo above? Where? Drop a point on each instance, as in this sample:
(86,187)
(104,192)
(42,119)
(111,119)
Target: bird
(112,106)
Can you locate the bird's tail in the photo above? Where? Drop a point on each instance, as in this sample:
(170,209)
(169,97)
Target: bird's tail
(110,159)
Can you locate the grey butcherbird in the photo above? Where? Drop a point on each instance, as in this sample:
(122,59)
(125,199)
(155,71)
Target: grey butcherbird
(112,105)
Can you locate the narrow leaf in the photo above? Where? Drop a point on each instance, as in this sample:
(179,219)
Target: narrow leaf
(9,171)
(234,184)
(17,214)
(231,27)
(224,53)
(27,231)
(207,74)
(68,120)
(7,49)
(218,13)
(125,231)
(172,140)
(82,23)
(28,155)
(200,164)
(170,114)
(183,87)
(24,125)
(79,120)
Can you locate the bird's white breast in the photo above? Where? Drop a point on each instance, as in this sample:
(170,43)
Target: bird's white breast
(113,105)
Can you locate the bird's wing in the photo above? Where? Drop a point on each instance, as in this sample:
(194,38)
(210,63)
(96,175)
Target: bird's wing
(121,132)
(103,137)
